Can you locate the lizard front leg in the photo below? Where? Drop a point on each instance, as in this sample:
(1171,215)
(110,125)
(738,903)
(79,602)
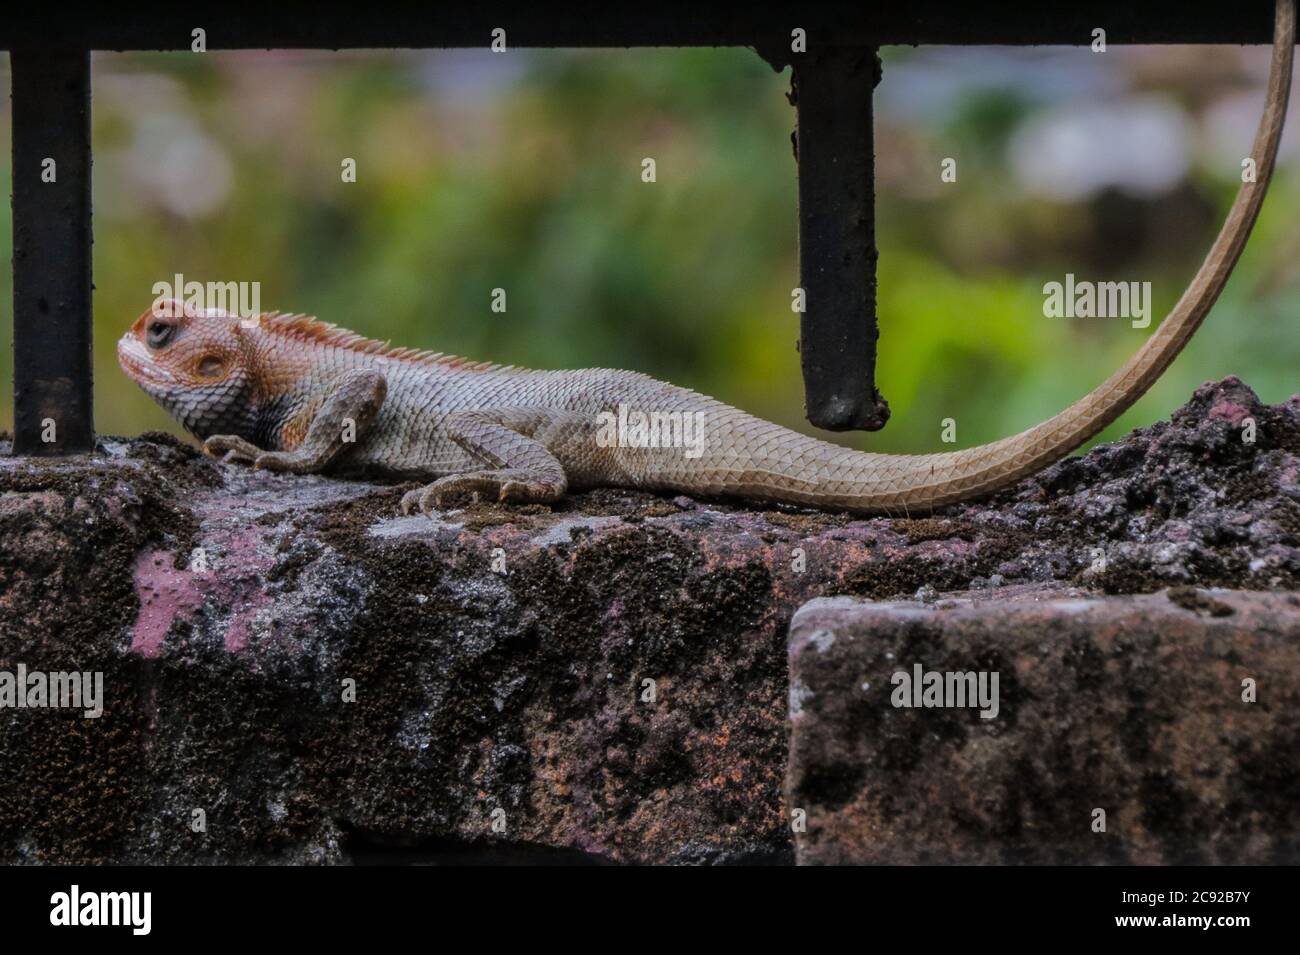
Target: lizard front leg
(512,443)
(357,398)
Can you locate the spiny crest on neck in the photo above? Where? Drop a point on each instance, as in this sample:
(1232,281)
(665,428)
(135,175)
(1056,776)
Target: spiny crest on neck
(311,330)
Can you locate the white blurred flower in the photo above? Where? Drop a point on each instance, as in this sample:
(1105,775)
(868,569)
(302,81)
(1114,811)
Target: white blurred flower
(933,81)
(1229,131)
(175,163)
(1070,151)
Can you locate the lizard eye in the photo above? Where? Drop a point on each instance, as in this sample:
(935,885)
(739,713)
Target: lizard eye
(159,334)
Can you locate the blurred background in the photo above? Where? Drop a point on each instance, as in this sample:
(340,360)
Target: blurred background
(523,171)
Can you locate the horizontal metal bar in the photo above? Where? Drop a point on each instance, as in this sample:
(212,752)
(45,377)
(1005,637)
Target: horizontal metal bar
(51,209)
(386,24)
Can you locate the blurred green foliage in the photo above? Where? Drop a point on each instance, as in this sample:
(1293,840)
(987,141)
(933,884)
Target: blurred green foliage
(474,174)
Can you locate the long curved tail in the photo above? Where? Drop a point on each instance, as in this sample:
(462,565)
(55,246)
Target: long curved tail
(814,472)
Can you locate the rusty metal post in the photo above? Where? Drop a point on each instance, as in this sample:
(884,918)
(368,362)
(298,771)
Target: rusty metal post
(52,258)
(835,149)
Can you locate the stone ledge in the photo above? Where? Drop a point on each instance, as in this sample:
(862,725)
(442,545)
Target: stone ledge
(1132,705)
(499,655)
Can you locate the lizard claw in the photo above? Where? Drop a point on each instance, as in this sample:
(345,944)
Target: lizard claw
(411,501)
(236,448)
(424,499)
(504,486)
(512,491)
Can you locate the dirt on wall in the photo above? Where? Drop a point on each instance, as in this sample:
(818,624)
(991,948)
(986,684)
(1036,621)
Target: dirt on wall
(292,671)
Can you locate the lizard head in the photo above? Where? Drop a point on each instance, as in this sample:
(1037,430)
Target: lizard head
(195,363)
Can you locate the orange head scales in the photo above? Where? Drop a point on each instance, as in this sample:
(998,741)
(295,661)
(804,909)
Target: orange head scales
(197,363)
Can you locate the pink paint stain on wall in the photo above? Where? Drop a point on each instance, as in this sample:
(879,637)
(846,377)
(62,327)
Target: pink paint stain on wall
(165,594)
(245,591)
(1224,407)
(1230,411)
(168,594)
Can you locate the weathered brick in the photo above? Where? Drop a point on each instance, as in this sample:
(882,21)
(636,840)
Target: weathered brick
(1132,705)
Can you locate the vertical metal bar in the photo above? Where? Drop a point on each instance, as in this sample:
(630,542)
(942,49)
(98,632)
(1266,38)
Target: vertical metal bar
(52,251)
(835,148)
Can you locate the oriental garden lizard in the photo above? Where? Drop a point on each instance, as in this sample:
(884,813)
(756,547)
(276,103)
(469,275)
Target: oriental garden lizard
(290,393)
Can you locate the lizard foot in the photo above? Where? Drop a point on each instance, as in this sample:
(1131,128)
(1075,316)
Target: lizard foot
(506,486)
(235,448)
(284,461)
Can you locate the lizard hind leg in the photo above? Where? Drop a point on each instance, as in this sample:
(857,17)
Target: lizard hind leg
(519,467)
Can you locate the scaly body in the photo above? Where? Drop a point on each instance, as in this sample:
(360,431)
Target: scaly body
(290,393)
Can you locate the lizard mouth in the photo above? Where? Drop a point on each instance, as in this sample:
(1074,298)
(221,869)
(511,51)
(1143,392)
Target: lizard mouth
(140,365)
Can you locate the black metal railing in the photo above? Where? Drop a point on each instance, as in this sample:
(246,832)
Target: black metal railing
(832,84)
